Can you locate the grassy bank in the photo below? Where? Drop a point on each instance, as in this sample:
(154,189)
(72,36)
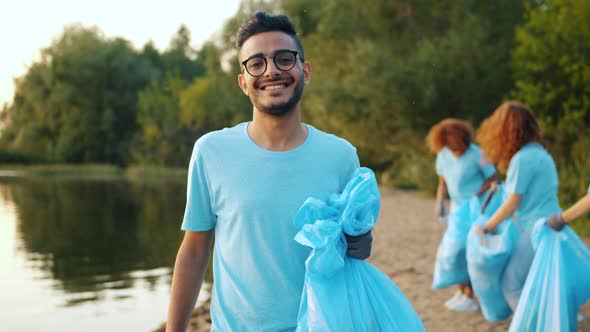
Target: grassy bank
(95,171)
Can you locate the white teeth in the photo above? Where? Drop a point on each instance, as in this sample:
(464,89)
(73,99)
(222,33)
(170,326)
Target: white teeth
(273,87)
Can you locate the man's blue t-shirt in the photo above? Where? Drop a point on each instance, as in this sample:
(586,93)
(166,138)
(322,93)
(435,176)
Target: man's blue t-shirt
(464,175)
(532,174)
(250,196)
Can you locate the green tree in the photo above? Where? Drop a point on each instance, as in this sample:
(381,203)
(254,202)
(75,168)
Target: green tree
(215,100)
(181,57)
(79,102)
(552,71)
(162,139)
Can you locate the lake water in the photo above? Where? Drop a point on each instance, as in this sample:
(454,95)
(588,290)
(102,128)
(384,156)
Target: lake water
(87,253)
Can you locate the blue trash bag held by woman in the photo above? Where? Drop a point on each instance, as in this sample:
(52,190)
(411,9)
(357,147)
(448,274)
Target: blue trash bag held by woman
(557,283)
(341,293)
(450,266)
(486,259)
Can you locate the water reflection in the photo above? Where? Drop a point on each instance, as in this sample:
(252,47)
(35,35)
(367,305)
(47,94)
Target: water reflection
(96,240)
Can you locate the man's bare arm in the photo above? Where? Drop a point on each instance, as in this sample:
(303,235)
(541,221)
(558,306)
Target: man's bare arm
(189,271)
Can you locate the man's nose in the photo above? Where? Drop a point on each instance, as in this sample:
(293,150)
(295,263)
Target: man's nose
(271,68)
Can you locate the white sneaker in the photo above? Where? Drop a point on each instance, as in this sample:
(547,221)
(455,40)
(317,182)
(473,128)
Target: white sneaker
(450,302)
(580,317)
(464,304)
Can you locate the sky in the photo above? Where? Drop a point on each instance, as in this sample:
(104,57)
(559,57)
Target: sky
(27,26)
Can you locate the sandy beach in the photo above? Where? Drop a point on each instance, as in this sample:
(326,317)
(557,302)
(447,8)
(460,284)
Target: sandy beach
(406,238)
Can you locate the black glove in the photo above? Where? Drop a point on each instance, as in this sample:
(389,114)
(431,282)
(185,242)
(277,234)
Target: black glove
(482,230)
(556,222)
(359,247)
(489,230)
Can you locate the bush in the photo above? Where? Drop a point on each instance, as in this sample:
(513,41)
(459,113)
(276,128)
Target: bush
(21,157)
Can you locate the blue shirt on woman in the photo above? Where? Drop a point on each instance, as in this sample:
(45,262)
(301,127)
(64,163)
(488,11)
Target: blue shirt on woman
(532,174)
(464,175)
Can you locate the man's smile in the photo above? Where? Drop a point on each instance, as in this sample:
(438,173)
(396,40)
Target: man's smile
(274,87)
(274,84)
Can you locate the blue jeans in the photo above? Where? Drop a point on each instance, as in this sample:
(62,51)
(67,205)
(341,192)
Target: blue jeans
(517,269)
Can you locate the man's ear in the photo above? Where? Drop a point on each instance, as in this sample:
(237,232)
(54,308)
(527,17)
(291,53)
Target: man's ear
(242,83)
(306,73)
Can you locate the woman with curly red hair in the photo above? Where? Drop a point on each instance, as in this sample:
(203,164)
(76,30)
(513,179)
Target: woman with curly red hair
(462,173)
(511,139)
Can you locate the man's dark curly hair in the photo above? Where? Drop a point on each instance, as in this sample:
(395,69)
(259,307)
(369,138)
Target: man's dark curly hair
(260,22)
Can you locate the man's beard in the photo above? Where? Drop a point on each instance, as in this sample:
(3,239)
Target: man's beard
(282,108)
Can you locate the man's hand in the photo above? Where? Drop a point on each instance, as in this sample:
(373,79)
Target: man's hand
(359,247)
(556,222)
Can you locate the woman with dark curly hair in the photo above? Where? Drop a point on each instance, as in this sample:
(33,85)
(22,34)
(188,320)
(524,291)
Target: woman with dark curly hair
(512,140)
(462,173)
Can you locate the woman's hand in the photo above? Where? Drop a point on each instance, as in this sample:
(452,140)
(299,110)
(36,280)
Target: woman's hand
(482,231)
(556,222)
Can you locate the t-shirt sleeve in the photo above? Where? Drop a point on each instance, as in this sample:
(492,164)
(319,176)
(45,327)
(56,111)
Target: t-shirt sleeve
(519,174)
(439,163)
(353,163)
(198,214)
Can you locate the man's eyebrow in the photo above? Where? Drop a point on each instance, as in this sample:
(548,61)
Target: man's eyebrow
(283,50)
(260,54)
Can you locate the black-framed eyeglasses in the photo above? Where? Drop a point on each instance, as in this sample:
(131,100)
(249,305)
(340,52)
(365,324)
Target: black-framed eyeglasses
(284,60)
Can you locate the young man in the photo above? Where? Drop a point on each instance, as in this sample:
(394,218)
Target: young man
(245,186)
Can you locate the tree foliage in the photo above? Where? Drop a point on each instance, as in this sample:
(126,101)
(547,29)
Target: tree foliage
(79,102)
(552,68)
(552,72)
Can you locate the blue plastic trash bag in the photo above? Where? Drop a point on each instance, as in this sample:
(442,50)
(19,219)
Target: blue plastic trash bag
(558,282)
(342,293)
(487,259)
(450,267)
